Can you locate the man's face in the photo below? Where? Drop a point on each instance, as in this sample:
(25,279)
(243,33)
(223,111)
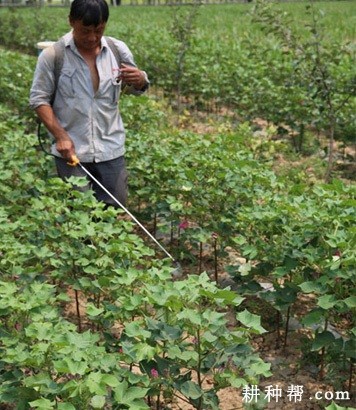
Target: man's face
(87,37)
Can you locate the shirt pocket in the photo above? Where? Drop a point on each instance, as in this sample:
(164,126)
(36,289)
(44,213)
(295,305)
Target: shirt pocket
(116,89)
(66,83)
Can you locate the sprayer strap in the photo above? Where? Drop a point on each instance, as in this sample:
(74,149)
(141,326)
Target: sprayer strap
(58,63)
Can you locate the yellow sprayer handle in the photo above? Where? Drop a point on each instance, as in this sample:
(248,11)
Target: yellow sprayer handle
(74,161)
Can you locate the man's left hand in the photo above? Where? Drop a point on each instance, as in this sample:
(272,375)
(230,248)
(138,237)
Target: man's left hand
(133,76)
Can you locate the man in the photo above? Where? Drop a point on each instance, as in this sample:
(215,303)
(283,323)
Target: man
(80,107)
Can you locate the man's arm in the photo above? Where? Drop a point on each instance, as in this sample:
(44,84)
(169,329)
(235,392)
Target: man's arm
(42,90)
(64,143)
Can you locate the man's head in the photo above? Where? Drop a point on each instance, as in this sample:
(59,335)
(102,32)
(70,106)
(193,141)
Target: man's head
(88,19)
(89,12)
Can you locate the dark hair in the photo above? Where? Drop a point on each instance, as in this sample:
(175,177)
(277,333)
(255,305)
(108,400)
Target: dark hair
(90,12)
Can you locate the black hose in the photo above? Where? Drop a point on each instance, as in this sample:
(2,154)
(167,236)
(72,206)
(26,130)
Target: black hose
(40,141)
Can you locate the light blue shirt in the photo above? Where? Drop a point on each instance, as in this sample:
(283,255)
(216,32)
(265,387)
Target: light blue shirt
(92,119)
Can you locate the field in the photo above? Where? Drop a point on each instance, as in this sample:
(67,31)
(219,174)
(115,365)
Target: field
(242,165)
(243,57)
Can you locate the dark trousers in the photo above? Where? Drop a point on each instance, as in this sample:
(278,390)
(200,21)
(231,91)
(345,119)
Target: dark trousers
(111,174)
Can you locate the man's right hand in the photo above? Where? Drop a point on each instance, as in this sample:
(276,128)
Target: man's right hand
(64,143)
(65,147)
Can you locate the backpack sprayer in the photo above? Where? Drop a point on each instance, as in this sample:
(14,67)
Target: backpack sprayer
(74,161)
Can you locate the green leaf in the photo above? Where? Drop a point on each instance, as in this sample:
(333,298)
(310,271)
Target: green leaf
(327,301)
(209,337)
(350,302)
(126,395)
(83,340)
(245,269)
(239,240)
(310,287)
(176,206)
(334,406)
(237,382)
(191,316)
(40,331)
(98,402)
(162,331)
(133,329)
(66,406)
(250,251)
(93,310)
(144,351)
(223,295)
(323,339)
(120,391)
(43,404)
(134,393)
(40,379)
(77,367)
(93,382)
(191,390)
(251,321)
(261,368)
(78,181)
(349,349)
(316,316)
(110,380)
